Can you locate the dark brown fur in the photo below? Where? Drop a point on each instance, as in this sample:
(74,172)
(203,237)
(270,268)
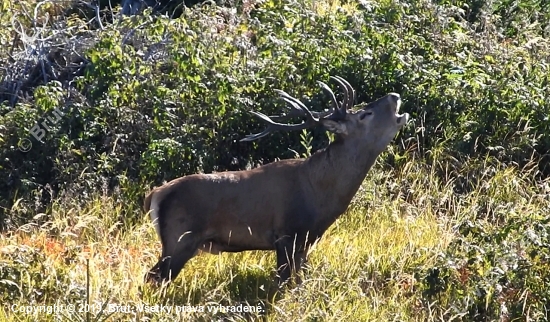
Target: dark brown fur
(283,206)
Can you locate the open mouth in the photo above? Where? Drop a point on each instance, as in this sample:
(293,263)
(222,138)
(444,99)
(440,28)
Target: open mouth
(401,119)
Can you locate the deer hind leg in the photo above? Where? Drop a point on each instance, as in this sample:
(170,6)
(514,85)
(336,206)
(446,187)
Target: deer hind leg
(291,255)
(175,254)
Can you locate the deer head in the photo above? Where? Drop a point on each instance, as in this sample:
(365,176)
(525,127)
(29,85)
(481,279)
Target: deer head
(373,126)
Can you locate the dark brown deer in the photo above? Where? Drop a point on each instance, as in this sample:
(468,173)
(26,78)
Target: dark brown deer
(284,206)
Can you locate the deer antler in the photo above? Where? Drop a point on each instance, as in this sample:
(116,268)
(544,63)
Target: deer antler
(349,92)
(298,108)
(274,126)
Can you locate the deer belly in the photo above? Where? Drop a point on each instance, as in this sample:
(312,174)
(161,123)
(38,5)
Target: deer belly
(216,246)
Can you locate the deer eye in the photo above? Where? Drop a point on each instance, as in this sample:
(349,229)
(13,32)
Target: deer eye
(365,114)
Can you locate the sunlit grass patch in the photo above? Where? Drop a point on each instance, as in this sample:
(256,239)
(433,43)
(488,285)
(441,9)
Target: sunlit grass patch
(410,247)
(363,268)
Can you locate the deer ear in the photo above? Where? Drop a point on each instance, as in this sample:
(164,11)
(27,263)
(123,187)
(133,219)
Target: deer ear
(335,127)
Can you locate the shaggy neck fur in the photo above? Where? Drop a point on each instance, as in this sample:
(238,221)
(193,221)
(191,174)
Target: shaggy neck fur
(335,175)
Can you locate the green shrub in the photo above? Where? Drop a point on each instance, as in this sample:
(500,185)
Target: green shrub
(161,98)
(489,273)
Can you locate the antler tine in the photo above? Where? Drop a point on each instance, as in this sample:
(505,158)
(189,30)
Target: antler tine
(294,113)
(274,126)
(353,93)
(345,103)
(335,109)
(341,81)
(299,108)
(296,106)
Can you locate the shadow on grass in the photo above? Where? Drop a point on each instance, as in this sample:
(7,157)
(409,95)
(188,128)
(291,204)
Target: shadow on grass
(254,287)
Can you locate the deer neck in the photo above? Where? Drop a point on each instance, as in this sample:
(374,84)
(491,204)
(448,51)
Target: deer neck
(335,175)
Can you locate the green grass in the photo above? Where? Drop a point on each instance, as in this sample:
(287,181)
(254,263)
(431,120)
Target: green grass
(368,267)
(451,224)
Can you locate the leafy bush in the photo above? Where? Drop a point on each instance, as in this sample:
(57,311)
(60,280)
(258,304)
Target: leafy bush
(490,274)
(160,98)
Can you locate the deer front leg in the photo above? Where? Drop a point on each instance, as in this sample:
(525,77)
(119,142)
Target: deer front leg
(290,258)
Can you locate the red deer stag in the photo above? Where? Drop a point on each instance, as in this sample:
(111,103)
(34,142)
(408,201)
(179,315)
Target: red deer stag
(283,206)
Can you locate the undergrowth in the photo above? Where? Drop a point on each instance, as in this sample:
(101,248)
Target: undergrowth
(451,224)
(410,247)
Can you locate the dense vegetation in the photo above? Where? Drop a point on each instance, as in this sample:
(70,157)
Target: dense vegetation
(451,223)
